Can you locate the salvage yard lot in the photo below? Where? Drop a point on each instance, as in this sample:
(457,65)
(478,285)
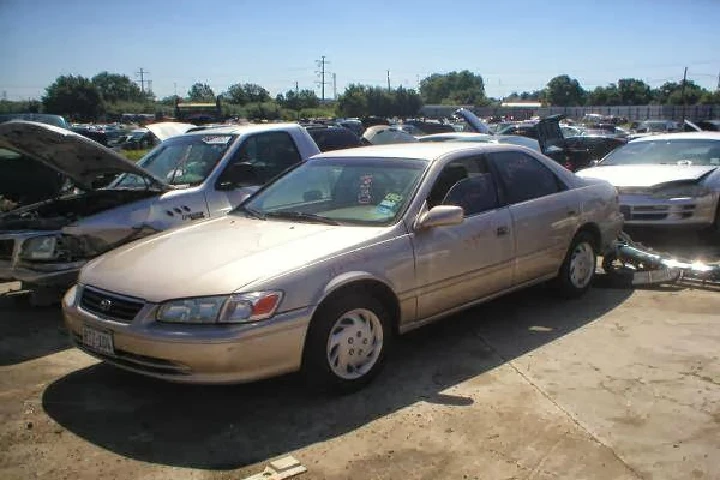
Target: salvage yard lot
(620,384)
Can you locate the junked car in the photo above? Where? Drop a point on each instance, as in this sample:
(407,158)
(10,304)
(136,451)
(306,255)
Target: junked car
(666,180)
(186,178)
(318,270)
(530,143)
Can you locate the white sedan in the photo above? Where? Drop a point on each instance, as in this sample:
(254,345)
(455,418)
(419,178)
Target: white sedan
(668,180)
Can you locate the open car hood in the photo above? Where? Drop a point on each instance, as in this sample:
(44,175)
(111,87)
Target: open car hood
(165,130)
(78,158)
(475,123)
(550,134)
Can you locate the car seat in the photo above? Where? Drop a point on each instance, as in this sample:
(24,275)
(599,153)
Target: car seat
(450,175)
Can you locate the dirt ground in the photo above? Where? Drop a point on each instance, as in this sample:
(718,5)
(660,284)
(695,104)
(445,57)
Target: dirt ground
(620,384)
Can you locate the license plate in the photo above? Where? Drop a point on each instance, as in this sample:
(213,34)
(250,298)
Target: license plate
(99,341)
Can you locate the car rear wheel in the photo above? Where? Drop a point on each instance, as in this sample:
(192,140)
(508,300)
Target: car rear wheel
(578,268)
(346,343)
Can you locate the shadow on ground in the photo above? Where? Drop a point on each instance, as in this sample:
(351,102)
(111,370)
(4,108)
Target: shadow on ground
(234,426)
(28,332)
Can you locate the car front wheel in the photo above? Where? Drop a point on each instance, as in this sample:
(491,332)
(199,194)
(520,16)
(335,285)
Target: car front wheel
(578,268)
(346,343)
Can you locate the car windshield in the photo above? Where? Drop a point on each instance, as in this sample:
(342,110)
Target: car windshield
(182,160)
(698,151)
(351,191)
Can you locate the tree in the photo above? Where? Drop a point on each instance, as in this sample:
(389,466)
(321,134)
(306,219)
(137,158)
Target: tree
(201,92)
(115,87)
(292,100)
(353,102)
(308,99)
(280,99)
(236,94)
(604,96)
(671,93)
(455,87)
(256,93)
(634,92)
(74,96)
(563,91)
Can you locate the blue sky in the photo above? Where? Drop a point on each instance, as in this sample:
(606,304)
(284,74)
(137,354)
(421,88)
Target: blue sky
(514,45)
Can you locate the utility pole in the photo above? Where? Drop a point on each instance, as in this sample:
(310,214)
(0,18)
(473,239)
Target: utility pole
(388,76)
(321,73)
(149,87)
(682,93)
(175,89)
(142,74)
(334,86)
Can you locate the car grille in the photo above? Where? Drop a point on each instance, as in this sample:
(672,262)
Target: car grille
(110,305)
(655,212)
(6,249)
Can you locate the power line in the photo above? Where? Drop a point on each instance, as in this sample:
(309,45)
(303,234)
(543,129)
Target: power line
(321,73)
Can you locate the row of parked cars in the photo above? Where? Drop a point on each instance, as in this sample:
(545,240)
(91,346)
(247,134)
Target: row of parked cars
(233,253)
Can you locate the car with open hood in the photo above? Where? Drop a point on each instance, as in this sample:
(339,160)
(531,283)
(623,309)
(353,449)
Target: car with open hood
(186,178)
(666,180)
(320,268)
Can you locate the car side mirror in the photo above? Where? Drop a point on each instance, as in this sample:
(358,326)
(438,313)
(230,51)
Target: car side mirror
(236,174)
(440,216)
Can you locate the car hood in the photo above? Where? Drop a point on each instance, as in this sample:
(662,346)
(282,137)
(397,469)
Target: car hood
(77,157)
(165,130)
(218,257)
(645,175)
(475,123)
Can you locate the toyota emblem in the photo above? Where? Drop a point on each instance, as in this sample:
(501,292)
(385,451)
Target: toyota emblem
(105,305)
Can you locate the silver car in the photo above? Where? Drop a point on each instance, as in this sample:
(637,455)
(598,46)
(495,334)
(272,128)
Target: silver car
(321,268)
(669,180)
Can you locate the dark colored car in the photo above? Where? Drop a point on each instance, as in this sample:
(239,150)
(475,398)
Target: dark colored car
(329,137)
(709,125)
(45,118)
(430,127)
(97,135)
(582,151)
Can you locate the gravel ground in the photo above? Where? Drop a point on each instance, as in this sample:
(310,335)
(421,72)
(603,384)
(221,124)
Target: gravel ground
(620,384)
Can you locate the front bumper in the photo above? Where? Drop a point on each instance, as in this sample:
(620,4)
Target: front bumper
(206,354)
(644,210)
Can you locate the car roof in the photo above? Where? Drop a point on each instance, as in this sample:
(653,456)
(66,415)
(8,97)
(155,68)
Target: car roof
(457,135)
(244,129)
(680,136)
(426,151)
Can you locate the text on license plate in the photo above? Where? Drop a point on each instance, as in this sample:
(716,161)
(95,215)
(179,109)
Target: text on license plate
(99,341)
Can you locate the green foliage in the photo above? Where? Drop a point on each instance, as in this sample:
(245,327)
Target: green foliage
(115,87)
(298,100)
(361,100)
(201,92)
(30,106)
(534,96)
(73,96)
(454,88)
(134,155)
(563,91)
(242,94)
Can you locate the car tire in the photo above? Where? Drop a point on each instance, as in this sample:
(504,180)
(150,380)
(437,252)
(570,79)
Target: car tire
(712,233)
(334,360)
(578,269)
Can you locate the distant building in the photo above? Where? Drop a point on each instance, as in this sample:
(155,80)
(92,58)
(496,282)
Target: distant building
(198,112)
(522,104)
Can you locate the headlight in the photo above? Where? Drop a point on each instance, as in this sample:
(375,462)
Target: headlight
(251,307)
(682,191)
(240,308)
(71,296)
(40,248)
(191,310)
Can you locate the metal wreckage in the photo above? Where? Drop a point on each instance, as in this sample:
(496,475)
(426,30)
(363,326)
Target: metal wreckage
(631,263)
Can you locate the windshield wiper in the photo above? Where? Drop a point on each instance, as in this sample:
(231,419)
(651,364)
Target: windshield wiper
(251,212)
(293,214)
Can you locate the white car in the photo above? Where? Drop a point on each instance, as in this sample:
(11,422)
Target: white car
(667,180)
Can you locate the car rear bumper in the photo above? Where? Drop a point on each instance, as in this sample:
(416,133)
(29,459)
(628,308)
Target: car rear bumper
(646,211)
(205,354)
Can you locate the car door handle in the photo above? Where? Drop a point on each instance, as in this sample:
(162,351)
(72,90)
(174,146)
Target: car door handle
(502,231)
